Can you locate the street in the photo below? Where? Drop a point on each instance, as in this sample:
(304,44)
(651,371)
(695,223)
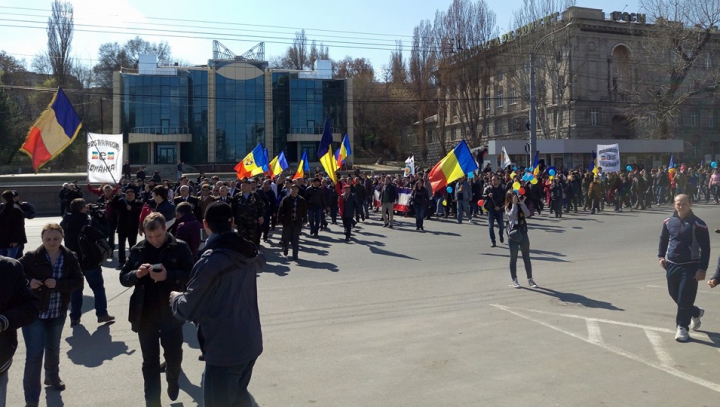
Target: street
(405,318)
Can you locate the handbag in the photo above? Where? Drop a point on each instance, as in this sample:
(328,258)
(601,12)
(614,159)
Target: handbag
(515,235)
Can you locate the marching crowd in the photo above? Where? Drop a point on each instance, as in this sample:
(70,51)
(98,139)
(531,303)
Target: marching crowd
(172,275)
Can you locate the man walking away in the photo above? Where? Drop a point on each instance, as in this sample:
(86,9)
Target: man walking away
(684,253)
(388,196)
(223,288)
(292,214)
(348,208)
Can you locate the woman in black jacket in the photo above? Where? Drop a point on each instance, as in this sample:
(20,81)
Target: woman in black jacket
(54,273)
(420,198)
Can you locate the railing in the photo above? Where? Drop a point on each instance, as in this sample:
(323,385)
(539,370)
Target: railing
(160,130)
(312,130)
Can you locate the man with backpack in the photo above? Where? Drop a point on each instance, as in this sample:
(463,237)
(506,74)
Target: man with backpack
(82,236)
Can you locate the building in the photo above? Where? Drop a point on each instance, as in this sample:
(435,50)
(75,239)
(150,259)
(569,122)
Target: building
(217,113)
(590,69)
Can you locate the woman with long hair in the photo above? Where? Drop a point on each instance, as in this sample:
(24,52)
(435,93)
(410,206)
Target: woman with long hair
(516,227)
(420,198)
(54,273)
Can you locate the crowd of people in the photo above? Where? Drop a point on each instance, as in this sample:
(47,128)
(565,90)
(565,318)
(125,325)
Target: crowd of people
(232,217)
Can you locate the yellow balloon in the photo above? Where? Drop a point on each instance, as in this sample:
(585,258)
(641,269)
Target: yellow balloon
(552,177)
(512,176)
(444,203)
(516,185)
(533,181)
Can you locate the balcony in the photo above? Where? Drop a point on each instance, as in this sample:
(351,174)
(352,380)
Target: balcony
(151,134)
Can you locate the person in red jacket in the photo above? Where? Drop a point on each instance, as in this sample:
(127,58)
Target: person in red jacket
(187,228)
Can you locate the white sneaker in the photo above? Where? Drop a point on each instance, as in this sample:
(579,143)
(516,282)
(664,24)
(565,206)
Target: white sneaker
(532,283)
(682,334)
(695,322)
(515,283)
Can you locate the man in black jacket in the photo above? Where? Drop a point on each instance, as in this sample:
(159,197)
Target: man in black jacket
(495,204)
(349,207)
(158,265)
(270,208)
(128,209)
(221,297)
(12,227)
(292,214)
(18,307)
(315,198)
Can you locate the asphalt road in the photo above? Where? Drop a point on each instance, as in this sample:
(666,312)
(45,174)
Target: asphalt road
(404,318)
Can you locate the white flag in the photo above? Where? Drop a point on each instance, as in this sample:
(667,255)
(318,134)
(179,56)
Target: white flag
(104,158)
(410,166)
(505,159)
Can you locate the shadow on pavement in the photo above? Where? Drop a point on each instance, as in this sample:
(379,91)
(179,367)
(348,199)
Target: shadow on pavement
(540,258)
(714,338)
(53,398)
(573,298)
(316,264)
(190,335)
(92,350)
(192,390)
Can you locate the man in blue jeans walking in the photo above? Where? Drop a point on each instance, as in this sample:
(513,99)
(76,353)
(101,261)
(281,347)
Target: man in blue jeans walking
(495,204)
(315,198)
(684,252)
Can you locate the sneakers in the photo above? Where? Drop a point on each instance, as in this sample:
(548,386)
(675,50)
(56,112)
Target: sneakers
(695,322)
(682,334)
(515,283)
(532,283)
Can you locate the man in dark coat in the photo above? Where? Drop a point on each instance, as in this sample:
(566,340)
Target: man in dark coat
(315,198)
(349,207)
(270,208)
(12,227)
(292,214)
(249,211)
(128,208)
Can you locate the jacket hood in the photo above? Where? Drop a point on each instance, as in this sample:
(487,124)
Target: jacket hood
(239,248)
(187,218)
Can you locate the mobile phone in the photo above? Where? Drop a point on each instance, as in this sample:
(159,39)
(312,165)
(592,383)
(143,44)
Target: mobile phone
(156,267)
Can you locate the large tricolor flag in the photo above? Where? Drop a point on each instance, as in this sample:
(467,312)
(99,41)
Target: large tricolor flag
(303,166)
(53,132)
(536,165)
(278,164)
(672,162)
(343,151)
(252,164)
(325,154)
(593,164)
(456,164)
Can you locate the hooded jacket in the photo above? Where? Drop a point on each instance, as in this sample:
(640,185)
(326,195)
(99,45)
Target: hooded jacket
(221,298)
(685,241)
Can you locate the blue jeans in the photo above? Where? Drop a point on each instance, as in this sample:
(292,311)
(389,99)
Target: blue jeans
(440,207)
(463,207)
(41,337)
(523,247)
(227,385)
(97,284)
(492,218)
(419,215)
(682,287)
(3,387)
(10,252)
(315,216)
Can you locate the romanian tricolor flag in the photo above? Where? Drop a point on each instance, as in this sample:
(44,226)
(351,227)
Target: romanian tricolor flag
(252,164)
(536,165)
(278,164)
(54,130)
(343,151)
(455,165)
(111,155)
(303,167)
(593,165)
(325,154)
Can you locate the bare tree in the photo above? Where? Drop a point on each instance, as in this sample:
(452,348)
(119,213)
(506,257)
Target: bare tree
(423,63)
(113,57)
(60,29)
(678,62)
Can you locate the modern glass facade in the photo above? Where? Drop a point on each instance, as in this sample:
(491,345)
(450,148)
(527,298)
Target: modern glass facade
(198,149)
(240,114)
(281,113)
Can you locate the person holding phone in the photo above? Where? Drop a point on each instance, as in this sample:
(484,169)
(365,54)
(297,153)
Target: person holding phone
(157,265)
(517,230)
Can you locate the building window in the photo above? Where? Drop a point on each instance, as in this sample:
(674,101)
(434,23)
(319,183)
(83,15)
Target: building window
(711,119)
(513,96)
(498,127)
(708,61)
(594,116)
(499,75)
(453,134)
(429,133)
(694,118)
(499,97)
(487,102)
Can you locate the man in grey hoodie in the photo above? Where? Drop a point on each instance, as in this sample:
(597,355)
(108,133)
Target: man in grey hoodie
(221,298)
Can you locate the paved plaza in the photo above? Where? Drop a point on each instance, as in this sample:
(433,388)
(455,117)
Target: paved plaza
(405,318)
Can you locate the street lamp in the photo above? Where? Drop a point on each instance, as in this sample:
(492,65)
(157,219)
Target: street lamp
(533,98)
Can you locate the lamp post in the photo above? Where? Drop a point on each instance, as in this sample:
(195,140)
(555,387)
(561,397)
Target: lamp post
(533,97)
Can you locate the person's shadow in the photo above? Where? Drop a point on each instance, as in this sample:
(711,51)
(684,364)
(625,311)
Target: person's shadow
(573,298)
(92,350)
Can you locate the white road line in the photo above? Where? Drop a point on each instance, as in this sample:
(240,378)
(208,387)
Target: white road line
(594,334)
(667,369)
(606,321)
(657,343)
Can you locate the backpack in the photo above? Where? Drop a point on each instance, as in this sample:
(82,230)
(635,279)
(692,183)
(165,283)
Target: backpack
(94,247)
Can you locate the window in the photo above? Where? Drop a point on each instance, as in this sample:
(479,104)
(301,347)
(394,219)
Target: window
(498,127)
(487,102)
(499,75)
(711,120)
(499,97)
(694,118)
(513,96)
(453,134)
(430,138)
(708,61)
(594,116)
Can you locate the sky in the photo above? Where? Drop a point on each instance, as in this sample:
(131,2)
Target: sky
(367,29)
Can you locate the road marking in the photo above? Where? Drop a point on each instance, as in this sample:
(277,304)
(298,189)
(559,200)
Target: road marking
(594,335)
(667,369)
(657,343)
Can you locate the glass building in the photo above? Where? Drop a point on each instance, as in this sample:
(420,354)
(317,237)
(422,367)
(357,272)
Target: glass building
(219,112)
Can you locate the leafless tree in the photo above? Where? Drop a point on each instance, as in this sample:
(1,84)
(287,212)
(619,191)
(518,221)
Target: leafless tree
(112,57)
(676,65)
(423,64)
(60,30)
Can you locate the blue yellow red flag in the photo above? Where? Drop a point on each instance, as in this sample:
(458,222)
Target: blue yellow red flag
(456,164)
(252,164)
(325,153)
(303,166)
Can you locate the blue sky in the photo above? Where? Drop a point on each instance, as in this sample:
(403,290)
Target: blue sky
(358,29)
